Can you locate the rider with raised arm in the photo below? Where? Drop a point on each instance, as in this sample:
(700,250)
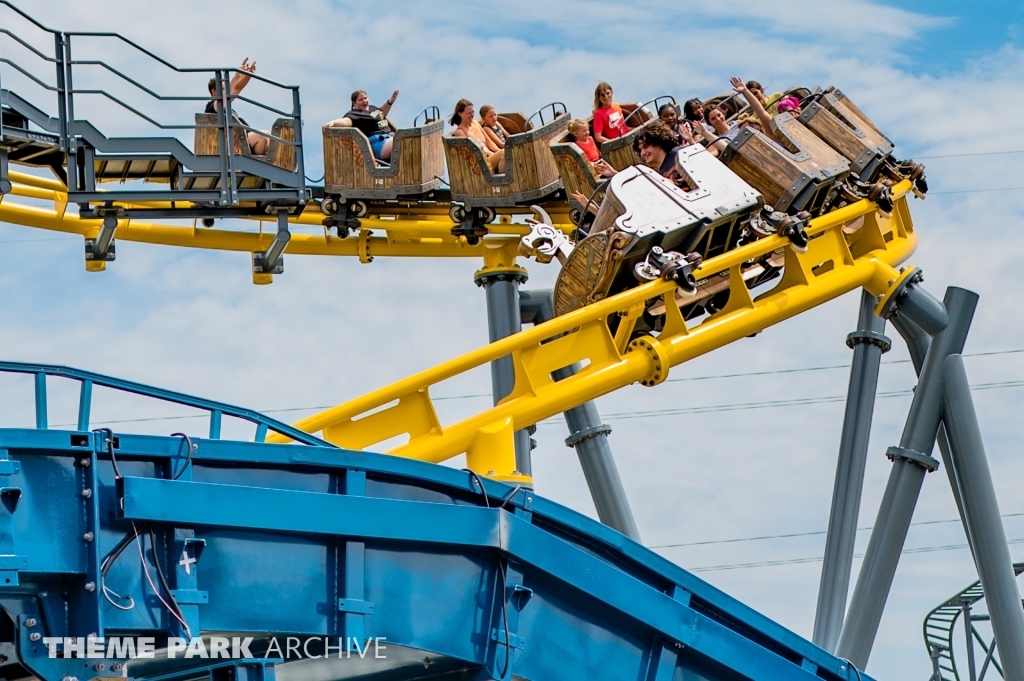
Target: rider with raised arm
(370,120)
(257,143)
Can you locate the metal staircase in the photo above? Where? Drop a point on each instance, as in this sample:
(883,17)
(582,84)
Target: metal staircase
(938,635)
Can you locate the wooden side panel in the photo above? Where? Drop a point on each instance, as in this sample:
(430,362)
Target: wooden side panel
(844,108)
(433,155)
(533,166)
(822,155)
(283,155)
(573,169)
(838,135)
(466,175)
(409,158)
(764,166)
(344,161)
(207,142)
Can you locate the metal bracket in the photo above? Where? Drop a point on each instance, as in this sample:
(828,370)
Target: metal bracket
(190,596)
(923,460)
(869,337)
(102,248)
(5,180)
(354,605)
(586,433)
(888,300)
(271,261)
(514,641)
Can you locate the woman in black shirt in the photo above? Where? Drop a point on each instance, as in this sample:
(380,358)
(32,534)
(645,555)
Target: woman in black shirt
(370,120)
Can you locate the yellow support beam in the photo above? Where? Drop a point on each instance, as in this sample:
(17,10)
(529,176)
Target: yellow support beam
(853,247)
(408,233)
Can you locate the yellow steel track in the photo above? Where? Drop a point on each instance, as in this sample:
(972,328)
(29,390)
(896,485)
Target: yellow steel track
(425,233)
(856,246)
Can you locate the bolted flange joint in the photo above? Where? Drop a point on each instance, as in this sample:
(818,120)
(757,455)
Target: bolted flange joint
(923,460)
(899,287)
(490,274)
(586,434)
(659,364)
(869,337)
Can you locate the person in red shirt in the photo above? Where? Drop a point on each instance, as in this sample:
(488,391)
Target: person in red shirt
(609,123)
(580,132)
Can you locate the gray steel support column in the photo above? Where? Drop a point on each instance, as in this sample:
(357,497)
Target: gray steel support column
(917,342)
(502,290)
(868,343)
(588,436)
(981,509)
(911,460)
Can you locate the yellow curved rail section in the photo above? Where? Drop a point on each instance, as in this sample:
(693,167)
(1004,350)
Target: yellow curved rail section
(421,232)
(856,246)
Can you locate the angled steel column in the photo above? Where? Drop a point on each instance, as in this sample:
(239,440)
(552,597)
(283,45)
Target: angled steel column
(588,436)
(917,342)
(868,343)
(911,460)
(981,511)
(502,289)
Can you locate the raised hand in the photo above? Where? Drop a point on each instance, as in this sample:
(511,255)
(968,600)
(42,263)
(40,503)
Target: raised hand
(247,67)
(737,84)
(394,96)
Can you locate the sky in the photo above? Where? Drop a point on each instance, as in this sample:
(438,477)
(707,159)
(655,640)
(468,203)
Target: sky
(942,79)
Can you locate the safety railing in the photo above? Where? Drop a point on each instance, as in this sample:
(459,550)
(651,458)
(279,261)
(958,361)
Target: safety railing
(429,115)
(75,133)
(655,106)
(556,109)
(88,380)
(856,246)
(57,61)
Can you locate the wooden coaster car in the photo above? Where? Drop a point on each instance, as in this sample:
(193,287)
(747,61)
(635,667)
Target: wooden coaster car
(641,210)
(530,171)
(834,119)
(796,176)
(416,168)
(207,141)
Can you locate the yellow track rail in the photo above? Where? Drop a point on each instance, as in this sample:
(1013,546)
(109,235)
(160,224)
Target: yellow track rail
(427,233)
(853,247)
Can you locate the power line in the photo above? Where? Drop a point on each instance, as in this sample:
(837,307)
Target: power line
(976,153)
(977,191)
(801,401)
(818,559)
(732,407)
(803,534)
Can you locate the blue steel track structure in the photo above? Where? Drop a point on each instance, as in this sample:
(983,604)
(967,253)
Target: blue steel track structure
(457,576)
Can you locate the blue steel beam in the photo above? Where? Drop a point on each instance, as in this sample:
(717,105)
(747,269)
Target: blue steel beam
(401,548)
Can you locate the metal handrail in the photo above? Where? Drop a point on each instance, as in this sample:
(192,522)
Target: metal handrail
(555,113)
(641,107)
(140,48)
(4,60)
(7,3)
(29,47)
(89,379)
(430,114)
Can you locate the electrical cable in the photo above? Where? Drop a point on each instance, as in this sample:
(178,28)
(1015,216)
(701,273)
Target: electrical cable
(108,563)
(175,612)
(480,482)
(109,441)
(504,616)
(508,497)
(163,581)
(188,457)
(310,179)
